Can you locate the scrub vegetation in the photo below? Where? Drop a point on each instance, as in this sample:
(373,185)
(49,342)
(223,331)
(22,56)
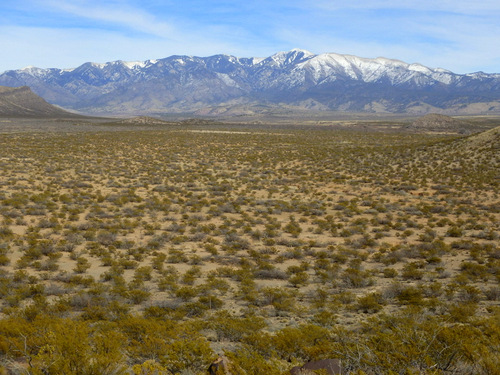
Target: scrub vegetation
(154,251)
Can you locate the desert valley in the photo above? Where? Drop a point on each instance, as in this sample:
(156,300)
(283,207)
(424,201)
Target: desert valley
(271,235)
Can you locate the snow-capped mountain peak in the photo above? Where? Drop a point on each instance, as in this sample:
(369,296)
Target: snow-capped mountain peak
(287,58)
(138,64)
(32,70)
(297,77)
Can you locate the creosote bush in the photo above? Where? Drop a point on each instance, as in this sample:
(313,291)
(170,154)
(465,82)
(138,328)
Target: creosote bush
(154,250)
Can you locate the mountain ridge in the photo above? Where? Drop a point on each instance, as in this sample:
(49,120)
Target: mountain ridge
(299,78)
(22,102)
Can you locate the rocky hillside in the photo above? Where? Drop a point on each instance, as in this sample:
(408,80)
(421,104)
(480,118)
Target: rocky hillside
(434,122)
(22,102)
(489,139)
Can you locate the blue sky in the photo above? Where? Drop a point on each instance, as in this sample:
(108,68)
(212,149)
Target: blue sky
(462,36)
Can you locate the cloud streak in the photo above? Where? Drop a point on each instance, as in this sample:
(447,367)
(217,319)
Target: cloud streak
(122,15)
(466,7)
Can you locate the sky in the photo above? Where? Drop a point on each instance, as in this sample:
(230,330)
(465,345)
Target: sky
(459,35)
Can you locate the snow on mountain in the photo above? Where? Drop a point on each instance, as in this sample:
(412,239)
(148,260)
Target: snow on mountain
(283,59)
(34,71)
(372,70)
(186,83)
(135,64)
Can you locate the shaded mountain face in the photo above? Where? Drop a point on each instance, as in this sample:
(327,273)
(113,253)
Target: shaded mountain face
(22,102)
(295,78)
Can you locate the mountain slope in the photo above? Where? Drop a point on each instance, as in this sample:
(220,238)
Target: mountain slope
(22,102)
(489,139)
(439,123)
(295,78)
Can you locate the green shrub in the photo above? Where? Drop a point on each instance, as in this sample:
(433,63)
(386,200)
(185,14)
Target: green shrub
(410,296)
(370,303)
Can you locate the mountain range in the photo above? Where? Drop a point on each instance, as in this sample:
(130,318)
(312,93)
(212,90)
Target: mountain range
(296,79)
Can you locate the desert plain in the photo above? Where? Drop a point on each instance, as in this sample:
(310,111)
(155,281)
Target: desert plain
(138,248)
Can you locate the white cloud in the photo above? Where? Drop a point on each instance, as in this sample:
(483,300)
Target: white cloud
(484,7)
(119,14)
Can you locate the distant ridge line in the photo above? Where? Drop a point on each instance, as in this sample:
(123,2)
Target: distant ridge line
(228,85)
